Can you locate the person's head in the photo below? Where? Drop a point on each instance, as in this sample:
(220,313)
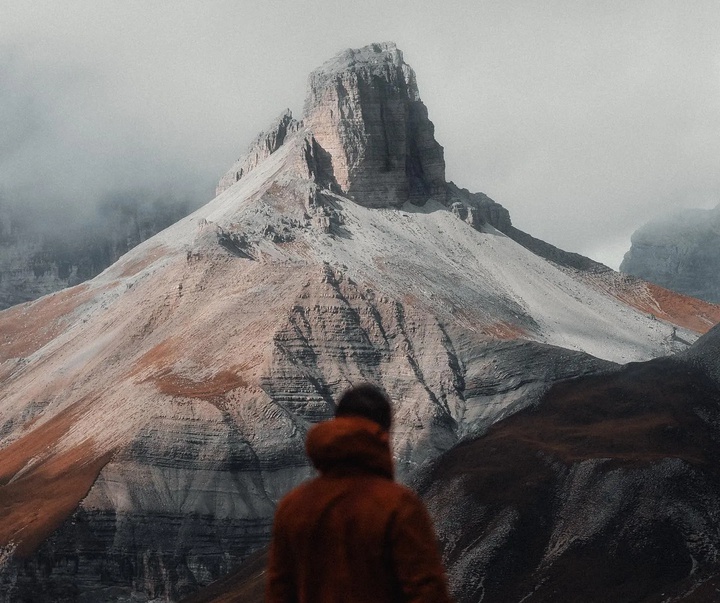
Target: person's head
(368,401)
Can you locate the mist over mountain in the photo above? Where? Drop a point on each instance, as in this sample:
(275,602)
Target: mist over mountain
(153,416)
(680,252)
(47,249)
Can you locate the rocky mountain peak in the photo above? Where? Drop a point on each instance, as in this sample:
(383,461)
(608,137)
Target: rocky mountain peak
(367,127)
(363,108)
(366,135)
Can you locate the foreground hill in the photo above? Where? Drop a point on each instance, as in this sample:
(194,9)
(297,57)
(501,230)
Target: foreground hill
(152,417)
(607,491)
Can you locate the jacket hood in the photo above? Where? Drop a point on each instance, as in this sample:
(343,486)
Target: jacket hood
(350,444)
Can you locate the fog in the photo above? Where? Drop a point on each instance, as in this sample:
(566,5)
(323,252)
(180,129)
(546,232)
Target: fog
(584,119)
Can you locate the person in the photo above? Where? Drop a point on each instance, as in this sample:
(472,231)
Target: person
(353,534)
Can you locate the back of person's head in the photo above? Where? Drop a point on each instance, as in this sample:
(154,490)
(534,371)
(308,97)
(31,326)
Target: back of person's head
(366,400)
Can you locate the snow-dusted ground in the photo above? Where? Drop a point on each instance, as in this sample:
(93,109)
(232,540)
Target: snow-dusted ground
(429,253)
(479,282)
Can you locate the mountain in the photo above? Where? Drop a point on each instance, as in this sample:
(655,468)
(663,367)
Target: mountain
(152,417)
(680,252)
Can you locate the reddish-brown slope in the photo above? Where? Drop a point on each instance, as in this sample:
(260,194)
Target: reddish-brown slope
(27,327)
(36,500)
(685,311)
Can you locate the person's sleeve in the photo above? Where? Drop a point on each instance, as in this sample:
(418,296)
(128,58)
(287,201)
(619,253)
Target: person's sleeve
(417,561)
(280,583)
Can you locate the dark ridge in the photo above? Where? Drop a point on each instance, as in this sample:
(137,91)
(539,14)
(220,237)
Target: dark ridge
(641,519)
(552,253)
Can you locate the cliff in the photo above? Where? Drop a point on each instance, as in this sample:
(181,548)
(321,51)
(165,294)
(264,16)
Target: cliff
(681,252)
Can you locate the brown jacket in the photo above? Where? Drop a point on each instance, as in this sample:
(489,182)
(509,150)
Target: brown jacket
(353,535)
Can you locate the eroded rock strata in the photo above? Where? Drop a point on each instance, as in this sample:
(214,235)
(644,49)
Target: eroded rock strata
(364,109)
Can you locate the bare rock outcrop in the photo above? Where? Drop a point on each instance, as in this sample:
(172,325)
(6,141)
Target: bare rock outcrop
(680,252)
(364,109)
(264,145)
(367,132)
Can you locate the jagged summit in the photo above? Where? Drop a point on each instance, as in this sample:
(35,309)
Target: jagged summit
(364,109)
(365,120)
(366,135)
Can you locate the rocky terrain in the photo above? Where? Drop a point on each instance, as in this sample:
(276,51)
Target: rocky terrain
(680,252)
(603,491)
(45,251)
(152,417)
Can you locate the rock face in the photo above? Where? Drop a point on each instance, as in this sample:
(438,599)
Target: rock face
(364,117)
(364,109)
(152,417)
(681,252)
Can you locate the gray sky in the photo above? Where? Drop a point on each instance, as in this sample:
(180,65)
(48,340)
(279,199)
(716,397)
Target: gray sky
(585,119)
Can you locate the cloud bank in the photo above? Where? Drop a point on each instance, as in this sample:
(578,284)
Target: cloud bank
(584,119)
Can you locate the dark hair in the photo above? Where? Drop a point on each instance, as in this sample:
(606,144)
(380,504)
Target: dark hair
(366,400)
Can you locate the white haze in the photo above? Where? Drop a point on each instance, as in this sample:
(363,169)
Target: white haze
(584,119)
